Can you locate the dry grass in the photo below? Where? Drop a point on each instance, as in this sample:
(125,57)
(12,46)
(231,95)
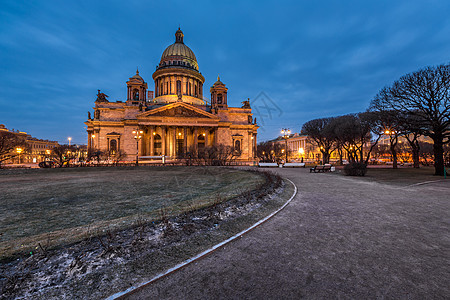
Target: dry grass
(401,177)
(60,206)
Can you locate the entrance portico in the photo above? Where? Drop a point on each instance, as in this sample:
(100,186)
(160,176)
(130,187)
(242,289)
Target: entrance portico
(176,129)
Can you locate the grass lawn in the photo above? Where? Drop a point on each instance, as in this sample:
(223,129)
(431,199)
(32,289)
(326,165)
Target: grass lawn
(402,176)
(60,206)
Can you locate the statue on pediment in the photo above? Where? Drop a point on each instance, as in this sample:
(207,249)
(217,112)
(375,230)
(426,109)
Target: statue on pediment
(246,103)
(89,115)
(101,97)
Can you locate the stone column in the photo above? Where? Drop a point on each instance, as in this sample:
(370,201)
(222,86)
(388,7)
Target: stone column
(163,140)
(195,140)
(206,136)
(185,149)
(152,140)
(215,137)
(174,148)
(254,145)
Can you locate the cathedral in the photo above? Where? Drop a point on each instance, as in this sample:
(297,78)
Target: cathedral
(175,119)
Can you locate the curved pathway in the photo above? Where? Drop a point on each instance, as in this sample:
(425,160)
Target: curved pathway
(339,238)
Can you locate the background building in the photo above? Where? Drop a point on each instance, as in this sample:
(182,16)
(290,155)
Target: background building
(178,121)
(37,150)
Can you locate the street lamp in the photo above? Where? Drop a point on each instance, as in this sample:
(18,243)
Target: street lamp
(69,138)
(137,136)
(19,150)
(286,132)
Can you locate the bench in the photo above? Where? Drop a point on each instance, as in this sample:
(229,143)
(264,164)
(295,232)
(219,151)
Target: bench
(162,157)
(321,168)
(294,165)
(267,165)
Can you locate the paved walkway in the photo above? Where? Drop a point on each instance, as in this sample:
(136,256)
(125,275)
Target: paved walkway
(340,238)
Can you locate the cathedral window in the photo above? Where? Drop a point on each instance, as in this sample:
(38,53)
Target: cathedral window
(136,94)
(113,147)
(237,146)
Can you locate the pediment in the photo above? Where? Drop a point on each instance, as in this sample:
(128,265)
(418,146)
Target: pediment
(113,133)
(177,110)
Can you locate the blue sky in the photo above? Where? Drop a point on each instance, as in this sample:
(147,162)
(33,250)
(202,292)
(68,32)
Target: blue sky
(309,58)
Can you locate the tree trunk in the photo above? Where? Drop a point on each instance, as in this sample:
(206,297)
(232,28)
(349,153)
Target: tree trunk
(394,157)
(438,148)
(416,157)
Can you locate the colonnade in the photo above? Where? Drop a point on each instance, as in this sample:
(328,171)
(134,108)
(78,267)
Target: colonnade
(176,141)
(167,85)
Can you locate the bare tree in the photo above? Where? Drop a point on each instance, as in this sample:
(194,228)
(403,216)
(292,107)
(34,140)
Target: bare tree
(269,151)
(218,155)
(426,153)
(321,134)
(424,94)
(411,128)
(96,155)
(117,156)
(9,142)
(63,154)
(353,132)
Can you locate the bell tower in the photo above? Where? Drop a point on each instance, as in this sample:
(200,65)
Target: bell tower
(219,95)
(136,89)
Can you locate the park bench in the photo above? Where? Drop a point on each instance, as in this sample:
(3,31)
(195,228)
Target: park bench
(162,157)
(267,165)
(321,168)
(294,165)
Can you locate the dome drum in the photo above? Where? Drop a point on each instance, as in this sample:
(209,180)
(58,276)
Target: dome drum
(177,77)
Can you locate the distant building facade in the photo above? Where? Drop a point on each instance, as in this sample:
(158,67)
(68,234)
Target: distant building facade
(300,148)
(38,149)
(175,118)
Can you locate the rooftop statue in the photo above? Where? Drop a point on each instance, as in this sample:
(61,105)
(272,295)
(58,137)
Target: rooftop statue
(246,103)
(101,97)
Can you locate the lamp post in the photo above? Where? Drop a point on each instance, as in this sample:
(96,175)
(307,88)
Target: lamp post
(286,132)
(137,136)
(69,138)
(19,150)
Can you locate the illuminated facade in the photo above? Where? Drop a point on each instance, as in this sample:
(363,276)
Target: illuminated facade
(175,118)
(37,149)
(301,149)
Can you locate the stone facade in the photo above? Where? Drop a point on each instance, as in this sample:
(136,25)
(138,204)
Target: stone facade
(178,120)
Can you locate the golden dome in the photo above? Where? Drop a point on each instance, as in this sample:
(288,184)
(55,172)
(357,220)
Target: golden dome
(178,54)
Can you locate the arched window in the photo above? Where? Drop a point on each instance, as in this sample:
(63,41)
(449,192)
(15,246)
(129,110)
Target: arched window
(178,87)
(113,147)
(157,149)
(237,146)
(219,99)
(136,94)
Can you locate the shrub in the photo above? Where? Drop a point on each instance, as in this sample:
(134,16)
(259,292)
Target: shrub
(355,169)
